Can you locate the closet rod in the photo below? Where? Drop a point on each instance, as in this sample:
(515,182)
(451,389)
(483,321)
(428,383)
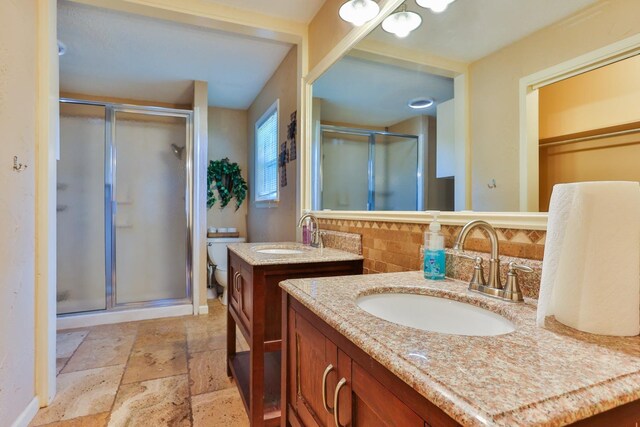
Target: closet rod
(589,138)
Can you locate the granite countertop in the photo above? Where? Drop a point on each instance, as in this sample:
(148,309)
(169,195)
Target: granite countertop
(250,252)
(533,376)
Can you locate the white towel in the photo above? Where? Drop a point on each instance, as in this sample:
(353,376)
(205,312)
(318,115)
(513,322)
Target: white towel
(591,266)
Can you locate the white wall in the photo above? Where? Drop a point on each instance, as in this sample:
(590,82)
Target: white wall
(17,207)
(494,102)
(276,223)
(228,138)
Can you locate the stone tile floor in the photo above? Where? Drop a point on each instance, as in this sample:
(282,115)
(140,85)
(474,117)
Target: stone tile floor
(165,372)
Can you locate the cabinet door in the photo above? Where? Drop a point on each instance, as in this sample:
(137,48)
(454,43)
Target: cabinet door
(245,296)
(374,405)
(314,368)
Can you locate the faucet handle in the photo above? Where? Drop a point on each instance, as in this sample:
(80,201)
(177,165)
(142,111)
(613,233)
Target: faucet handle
(478,273)
(512,289)
(520,267)
(465,255)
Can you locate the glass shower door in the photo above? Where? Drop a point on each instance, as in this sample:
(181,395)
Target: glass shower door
(80,209)
(149,212)
(345,173)
(396,179)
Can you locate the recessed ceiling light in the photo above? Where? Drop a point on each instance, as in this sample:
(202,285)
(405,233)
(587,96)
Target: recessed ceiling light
(358,12)
(62,48)
(420,103)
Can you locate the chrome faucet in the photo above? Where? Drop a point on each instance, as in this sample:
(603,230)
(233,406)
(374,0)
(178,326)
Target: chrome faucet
(494,286)
(316,238)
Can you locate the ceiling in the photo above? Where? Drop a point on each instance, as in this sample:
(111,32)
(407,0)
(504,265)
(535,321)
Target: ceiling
(364,92)
(294,10)
(130,56)
(471,29)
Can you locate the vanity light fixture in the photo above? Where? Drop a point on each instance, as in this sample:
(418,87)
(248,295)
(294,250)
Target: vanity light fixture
(402,22)
(421,103)
(436,6)
(358,12)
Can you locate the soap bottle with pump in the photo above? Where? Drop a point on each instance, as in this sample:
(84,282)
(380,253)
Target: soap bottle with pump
(434,256)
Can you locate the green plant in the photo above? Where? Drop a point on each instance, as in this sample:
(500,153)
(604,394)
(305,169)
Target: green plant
(226,179)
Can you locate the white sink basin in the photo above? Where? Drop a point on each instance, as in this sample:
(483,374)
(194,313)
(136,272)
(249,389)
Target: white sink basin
(279,250)
(435,314)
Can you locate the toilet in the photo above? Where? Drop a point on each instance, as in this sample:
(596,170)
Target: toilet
(217,249)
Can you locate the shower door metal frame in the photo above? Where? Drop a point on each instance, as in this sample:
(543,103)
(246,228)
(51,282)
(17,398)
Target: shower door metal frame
(110,166)
(371,134)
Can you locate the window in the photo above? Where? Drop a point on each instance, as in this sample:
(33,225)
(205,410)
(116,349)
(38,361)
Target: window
(266,146)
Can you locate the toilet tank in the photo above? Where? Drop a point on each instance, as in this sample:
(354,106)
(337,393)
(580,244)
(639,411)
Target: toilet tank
(217,249)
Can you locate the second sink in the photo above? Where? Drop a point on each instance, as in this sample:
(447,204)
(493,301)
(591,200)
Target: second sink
(435,314)
(280,250)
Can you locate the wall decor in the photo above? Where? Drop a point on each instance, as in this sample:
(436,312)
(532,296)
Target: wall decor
(283,158)
(292,130)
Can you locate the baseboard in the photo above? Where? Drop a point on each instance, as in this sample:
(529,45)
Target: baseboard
(27,414)
(129,315)
(203,309)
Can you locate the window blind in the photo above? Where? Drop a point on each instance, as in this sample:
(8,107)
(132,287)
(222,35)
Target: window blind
(267,156)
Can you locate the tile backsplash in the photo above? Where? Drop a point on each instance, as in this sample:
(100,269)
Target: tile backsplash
(394,246)
(348,242)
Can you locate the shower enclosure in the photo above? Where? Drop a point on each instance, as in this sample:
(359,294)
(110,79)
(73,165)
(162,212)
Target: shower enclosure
(362,169)
(124,206)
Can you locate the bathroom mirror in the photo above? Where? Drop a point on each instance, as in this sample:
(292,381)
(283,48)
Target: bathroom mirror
(469,73)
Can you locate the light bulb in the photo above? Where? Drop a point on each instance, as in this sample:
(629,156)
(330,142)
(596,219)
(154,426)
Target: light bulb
(358,12)
(401,23)
(436,6)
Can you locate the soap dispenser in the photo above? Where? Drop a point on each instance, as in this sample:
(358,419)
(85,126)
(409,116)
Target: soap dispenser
(434,256)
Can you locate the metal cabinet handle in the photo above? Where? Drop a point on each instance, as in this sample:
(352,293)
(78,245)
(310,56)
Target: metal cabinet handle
(324,388)
(236,276)
(336,399)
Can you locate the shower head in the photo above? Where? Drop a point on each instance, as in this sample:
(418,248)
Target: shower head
(177,151)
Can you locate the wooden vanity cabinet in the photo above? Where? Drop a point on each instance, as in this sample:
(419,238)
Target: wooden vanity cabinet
(370,395)
(254,306)
(367,393)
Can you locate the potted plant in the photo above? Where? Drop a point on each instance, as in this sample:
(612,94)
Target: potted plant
(225,179)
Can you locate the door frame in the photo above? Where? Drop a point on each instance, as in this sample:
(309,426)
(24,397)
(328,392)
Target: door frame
(529,105)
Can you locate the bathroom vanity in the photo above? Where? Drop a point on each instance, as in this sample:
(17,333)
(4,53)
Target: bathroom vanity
(343,366)
(255,270)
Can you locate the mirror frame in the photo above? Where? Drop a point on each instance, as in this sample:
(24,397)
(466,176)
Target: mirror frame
(528,120)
